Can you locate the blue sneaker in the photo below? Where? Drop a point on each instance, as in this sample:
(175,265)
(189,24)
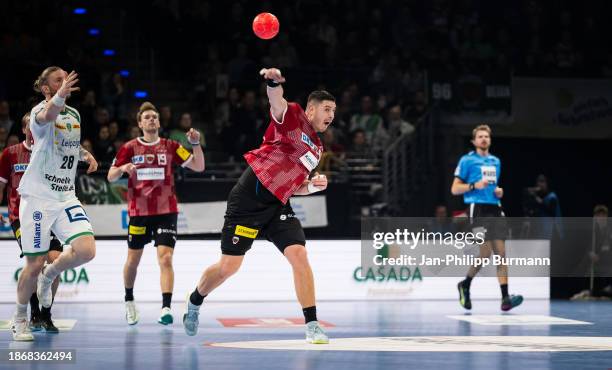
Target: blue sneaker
(190,317)
(509,302)
(315,334)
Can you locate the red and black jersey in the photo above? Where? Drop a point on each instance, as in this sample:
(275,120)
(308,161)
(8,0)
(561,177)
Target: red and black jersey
(13,163)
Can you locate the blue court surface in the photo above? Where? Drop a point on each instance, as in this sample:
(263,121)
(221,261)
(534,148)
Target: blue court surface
(541,334)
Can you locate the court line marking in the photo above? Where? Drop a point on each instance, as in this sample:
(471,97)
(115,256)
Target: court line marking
(436,344)
(517,320)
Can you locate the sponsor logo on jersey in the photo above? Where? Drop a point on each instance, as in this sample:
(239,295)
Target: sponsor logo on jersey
(150,158)
(76,213)
(70,143)
(309,161)
(20,167)
(152,173)
(310,144)
(138,159)
(161,159)
(37,216)
(247,232)
(182,152)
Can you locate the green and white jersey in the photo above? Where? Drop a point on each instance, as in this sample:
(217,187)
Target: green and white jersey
(55,156)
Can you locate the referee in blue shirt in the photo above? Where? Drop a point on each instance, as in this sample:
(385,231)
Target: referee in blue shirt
(476,178)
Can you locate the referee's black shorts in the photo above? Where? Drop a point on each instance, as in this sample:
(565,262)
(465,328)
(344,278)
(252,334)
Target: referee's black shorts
(490,219)
(252,211)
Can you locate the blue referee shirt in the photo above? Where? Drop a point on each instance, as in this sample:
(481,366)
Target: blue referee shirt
(472,168)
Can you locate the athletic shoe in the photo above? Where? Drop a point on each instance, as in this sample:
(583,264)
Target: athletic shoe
(509,302)
(190,317)
(21,330)
(131,313)
(43,290)
(35,322)
(48,325)
(315,334)
(166,317)
(464,296)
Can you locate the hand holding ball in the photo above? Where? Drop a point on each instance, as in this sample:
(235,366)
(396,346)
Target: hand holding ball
(265,26)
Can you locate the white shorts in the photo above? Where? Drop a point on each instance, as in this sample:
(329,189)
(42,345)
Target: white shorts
(39,217)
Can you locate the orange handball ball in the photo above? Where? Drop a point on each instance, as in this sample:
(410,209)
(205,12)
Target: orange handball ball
(265,26)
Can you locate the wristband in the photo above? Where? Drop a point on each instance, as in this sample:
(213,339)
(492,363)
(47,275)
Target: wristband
(312,188)
(58,101)
(196,143)
(471,186)
(272,83)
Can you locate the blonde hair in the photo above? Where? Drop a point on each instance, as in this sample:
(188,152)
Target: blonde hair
(25,119)
(42,78)
(145,107)
(481,128)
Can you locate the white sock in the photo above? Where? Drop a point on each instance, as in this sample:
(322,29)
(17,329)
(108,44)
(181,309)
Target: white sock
(51,272)
(22,310)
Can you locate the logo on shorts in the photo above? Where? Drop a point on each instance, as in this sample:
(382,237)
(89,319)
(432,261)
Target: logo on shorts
(37,216)
(37,234)
(235,240)
(166,231)
(76,213)
(288,215)
(246,232)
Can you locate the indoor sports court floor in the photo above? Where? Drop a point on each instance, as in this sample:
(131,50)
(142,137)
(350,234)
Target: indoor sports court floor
(386,335)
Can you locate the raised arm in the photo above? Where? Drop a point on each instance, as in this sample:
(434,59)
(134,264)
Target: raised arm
(56,104)
(278,104)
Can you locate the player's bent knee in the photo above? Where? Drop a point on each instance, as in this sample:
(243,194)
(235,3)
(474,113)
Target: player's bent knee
(296,253)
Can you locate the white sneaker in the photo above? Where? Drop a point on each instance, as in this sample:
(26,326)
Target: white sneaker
(315,334)
(21,330)
(43,290)
(131,313)
(166,316)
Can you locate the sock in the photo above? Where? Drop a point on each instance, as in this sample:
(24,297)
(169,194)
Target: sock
(22,310)
(166,299)
(196,298)
(51,272)
(310,314)
(129,294)
(467,282)
(45,312)
(504,290)
(34,304)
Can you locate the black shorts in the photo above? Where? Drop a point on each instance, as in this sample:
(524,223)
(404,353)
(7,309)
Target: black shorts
(143,229)
(54,244)
(491,218)
(252,211)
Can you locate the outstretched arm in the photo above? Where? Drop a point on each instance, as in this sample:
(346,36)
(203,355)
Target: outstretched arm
(278,104)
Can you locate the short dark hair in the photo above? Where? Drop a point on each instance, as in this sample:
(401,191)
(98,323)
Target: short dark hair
(320,95)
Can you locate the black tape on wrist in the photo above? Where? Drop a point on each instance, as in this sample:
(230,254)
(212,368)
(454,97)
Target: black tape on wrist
(272,83)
